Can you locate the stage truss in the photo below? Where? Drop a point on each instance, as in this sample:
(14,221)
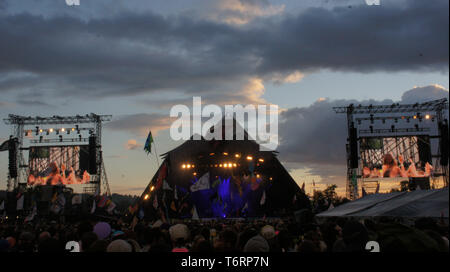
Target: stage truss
(23,126)
(400,127)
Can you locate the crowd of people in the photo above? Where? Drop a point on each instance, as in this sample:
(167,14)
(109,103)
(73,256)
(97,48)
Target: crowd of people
(269,235)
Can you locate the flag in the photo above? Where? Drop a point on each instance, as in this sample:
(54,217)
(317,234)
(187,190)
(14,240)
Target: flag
(111,207)
(76,199)
(195,214)
(32,215)
(141,213)
(132,209)
(93,207)
(148,143)
(201,184)
(331,206)
(4,146)
(245,206)
(155,202)
(162,174)
(263,198)
(20,203)
(378,189)
(2,206)
(102,201)
(166,186)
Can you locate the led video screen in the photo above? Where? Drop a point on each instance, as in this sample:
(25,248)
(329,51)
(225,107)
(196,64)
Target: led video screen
(53,165)
(395,157)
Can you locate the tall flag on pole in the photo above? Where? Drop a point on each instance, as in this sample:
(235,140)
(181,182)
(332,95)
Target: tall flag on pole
(148,143)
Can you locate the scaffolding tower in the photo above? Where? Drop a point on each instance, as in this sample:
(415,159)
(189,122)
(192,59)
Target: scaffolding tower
(370,121)
(28,126)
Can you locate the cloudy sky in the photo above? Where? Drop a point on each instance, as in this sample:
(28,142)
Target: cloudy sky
(134,59)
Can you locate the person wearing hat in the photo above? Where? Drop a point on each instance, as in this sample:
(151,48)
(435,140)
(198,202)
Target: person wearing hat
(179,235)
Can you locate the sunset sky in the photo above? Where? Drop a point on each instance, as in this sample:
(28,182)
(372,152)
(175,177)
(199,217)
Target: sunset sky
(134,59)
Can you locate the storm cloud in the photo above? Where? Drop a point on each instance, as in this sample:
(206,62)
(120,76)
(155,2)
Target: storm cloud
(133,53)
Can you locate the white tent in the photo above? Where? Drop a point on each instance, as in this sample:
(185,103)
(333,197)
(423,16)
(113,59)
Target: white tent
(419,203)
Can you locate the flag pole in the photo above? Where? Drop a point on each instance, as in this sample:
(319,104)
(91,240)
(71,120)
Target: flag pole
(156,153)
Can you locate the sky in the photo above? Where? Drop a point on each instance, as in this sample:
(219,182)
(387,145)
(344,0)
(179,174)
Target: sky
(135,59)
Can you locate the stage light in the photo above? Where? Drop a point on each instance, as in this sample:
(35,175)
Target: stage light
(225,153)
(237,155)
(51,130)
(225,165)
(73,129)
(188,166)
(183,166)
(63,129)
(41,130)
(152,188)
(258,176)
(146,197)
(220,165)
(230,165)
(215,165)
(427,116)
(192,166)
(249,158)
(211,154)
(195,174)
(415,117)
(270,178)
(234,164)
(261,160)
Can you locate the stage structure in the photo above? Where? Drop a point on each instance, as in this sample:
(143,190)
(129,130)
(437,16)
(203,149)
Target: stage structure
(61,149)
(221,179)
(405,143)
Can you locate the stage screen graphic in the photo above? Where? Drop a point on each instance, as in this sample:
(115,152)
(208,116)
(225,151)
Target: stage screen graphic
(52,165)
(395,157)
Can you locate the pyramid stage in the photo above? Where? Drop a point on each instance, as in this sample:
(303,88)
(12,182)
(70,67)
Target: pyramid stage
(220,179)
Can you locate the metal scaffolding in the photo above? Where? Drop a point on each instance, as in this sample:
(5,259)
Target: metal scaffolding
(359,115)
(37,125)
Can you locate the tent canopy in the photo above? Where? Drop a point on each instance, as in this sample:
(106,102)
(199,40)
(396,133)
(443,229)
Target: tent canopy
(419,203)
